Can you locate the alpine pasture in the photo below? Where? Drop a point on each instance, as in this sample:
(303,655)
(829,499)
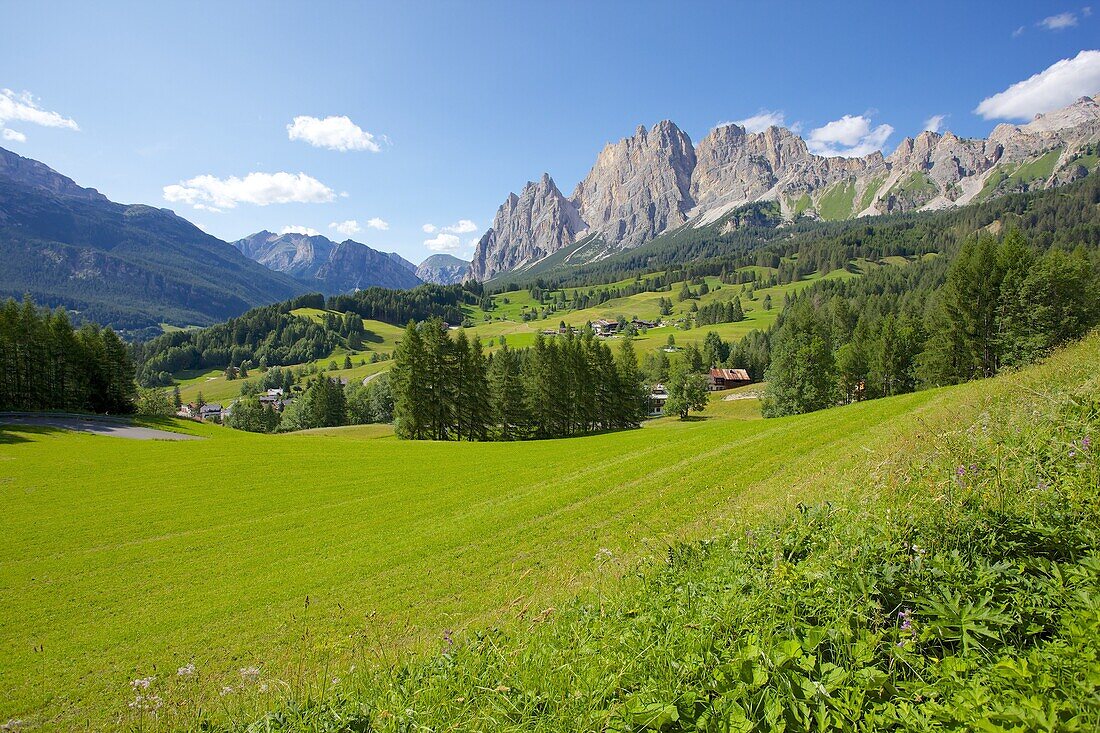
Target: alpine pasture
(305,554)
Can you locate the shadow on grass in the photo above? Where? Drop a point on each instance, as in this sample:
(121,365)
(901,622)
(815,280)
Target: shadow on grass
(11,434)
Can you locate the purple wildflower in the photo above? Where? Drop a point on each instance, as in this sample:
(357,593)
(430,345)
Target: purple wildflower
(1086,443)
(906,619)
(961,471)
(448,640)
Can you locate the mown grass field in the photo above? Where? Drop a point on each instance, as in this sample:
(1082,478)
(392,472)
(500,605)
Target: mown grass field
(125,559)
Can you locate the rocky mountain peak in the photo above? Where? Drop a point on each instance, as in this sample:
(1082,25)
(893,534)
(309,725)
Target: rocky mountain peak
(639,186)
(655,180)
(326,265)
(43,178)
(527,227)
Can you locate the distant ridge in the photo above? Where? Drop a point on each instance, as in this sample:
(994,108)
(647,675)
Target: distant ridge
(326,266)
(129,266)
(443,269)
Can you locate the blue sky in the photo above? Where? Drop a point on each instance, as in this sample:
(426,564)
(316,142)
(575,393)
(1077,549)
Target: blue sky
(465,102)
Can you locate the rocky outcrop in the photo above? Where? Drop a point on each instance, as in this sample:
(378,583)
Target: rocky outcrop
(443,269)
(736,167)
(656,181)
(530,226)
(639,186)
(328,266)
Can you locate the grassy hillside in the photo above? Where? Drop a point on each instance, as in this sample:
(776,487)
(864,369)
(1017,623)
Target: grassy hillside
(302,555)
(951,583)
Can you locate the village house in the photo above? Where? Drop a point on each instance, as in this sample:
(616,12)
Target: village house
(720,379)
(604,327)
(639,323)
(658,396)
(213,412)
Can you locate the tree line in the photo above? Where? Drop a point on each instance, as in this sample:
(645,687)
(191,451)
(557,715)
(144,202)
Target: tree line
(47,364)
(1000,302)
(447,388)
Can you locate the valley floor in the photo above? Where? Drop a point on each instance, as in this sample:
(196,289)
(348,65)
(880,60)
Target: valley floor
(300,556)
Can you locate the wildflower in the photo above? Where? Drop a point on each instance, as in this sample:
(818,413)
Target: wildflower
(142,683)
(603,555)
(250,673)
(1041,486)
(226,691)
(1086,443)
(186,671)
(960,471)
(335,680)
(12,724)
(918,550)
(448,640)
(906,619)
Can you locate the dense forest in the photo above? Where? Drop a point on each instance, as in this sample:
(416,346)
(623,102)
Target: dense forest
(398,307)
(1001,302)
(447,389)
(49,365)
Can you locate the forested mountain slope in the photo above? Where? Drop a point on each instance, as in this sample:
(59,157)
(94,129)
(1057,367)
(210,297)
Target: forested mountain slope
(128,266)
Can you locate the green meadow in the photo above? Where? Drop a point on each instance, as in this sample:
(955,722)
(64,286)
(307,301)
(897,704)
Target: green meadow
(506,320)
(303,555)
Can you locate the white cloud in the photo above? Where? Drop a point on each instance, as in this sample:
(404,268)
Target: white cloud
(1019,31)
(1059,22)
(762,120)
(443,243)
(1086,11)
(260,189)
(934,123)
(294,229)
(462,226)
(429,228)
(1058,85)
(851,136)
(22,107)
(334,133)
(347,228)
(377,223)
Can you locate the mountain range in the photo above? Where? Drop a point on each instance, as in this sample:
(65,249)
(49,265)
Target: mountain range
(139,268)
(326,266)
(443,269)
(657,181)
(129,266)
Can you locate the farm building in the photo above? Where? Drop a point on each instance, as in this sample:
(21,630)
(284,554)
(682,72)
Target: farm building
(720,379)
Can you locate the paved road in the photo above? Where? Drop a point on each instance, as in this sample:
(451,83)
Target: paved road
(113,427)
